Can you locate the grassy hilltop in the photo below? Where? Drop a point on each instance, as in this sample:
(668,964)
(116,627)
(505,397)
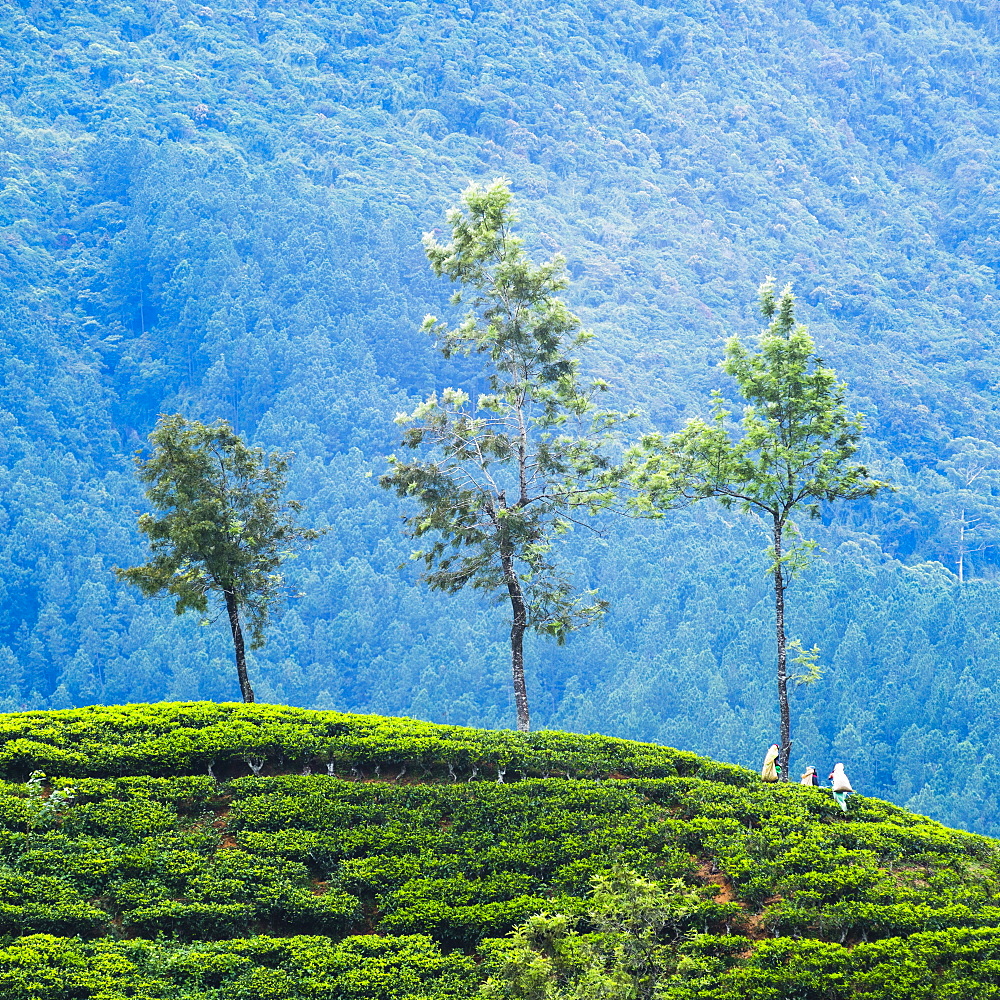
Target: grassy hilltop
(222,851)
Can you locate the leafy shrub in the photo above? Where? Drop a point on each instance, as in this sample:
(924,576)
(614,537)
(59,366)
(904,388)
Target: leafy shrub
(177,739)
(206,861)
(44,967)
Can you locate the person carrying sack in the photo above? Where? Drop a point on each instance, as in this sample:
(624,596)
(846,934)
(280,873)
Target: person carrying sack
(810,778)
(841,786)
(771,770)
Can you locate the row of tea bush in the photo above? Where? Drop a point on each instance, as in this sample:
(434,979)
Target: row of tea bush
(231,739)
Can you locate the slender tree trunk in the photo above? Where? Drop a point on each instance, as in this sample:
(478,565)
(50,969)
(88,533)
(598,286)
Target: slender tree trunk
(961,550)
(785,746)
(518,626)
(241,659)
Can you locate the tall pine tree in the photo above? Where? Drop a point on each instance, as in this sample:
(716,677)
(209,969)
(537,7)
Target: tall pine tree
(792,454)
(224,527)
(499,479)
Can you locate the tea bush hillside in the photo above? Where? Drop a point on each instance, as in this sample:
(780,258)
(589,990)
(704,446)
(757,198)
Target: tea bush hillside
(195,850)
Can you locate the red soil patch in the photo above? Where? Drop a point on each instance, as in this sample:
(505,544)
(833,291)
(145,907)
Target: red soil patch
(748,924)
(726,893)
(221,823)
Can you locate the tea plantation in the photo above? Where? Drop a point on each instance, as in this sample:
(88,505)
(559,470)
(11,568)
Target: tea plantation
(229,851)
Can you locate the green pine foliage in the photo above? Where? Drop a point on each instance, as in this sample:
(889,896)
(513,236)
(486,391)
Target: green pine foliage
(791,459)
(498,481)
(224,528)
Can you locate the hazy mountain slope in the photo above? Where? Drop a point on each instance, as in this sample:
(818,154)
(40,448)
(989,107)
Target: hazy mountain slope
(218,209)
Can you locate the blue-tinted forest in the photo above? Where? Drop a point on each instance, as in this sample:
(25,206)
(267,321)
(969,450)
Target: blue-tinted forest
(217,210)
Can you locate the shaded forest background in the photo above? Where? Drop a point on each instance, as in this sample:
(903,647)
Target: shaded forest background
(217,210)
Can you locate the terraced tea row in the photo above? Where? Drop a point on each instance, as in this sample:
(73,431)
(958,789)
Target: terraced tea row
(294,885)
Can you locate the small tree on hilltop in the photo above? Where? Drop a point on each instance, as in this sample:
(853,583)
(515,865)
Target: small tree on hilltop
(505,476)
(792,456)
(224,527)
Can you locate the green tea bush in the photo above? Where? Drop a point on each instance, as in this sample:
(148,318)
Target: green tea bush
(176,739)
(37,903)
(410,877)
(43,967)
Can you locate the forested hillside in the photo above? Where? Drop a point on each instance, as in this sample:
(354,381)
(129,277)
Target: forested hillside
(217,209)
(223,852)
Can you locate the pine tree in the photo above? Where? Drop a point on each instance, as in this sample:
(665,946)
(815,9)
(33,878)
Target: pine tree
(505,476)
(792,456)
(225,527)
